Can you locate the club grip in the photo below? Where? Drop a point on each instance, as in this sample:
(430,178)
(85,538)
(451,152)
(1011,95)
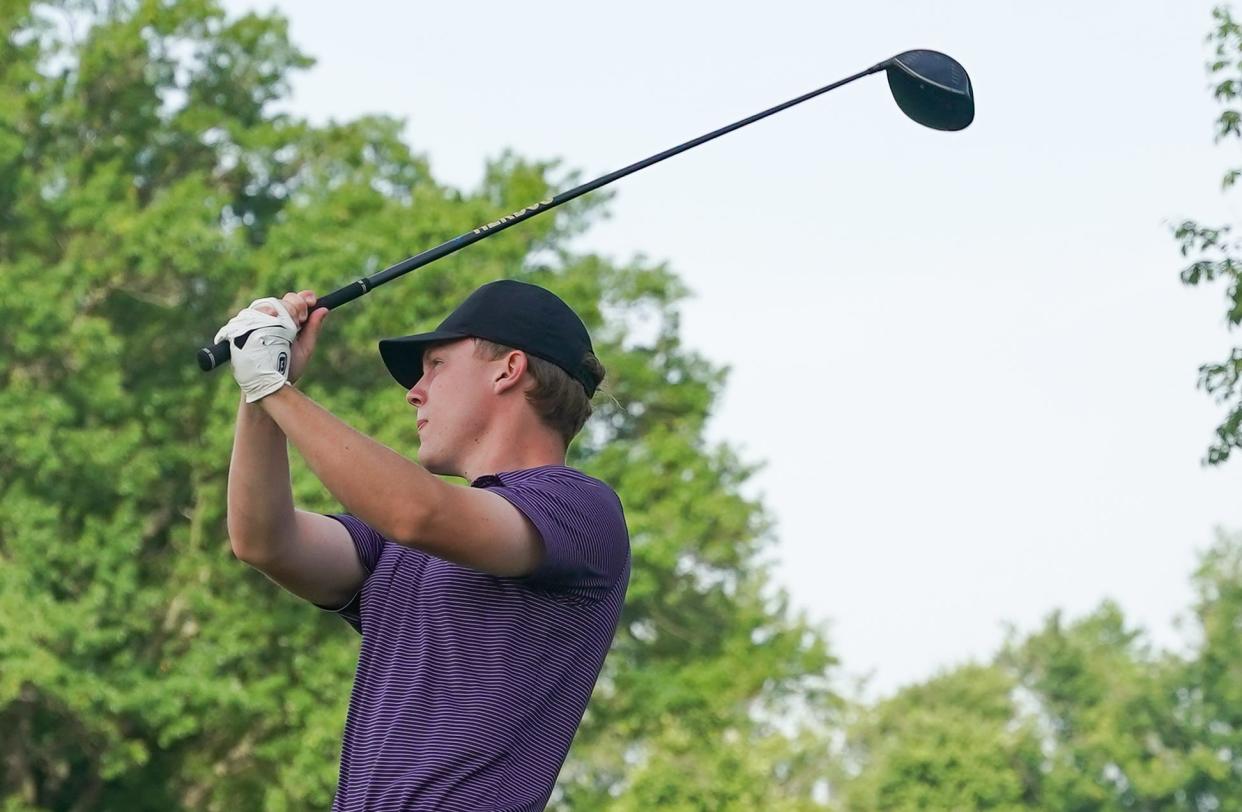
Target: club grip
(211,357)
(219,353)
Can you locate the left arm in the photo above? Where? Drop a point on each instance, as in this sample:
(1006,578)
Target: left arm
(401,499)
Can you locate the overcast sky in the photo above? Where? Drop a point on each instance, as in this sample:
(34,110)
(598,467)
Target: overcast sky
(976,394)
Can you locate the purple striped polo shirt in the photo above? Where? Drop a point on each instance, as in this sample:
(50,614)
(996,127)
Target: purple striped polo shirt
(470,686)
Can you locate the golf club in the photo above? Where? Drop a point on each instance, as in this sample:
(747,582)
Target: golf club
(929,87)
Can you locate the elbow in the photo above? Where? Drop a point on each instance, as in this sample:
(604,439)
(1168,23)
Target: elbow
(237,539)
(243,551)
(259,555)
(247,547)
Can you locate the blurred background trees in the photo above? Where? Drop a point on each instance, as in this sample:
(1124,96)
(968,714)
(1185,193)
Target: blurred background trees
(1214,251)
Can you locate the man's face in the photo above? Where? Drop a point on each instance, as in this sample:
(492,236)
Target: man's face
(452,399)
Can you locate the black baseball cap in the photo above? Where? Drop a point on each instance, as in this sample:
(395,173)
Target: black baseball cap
(516,314)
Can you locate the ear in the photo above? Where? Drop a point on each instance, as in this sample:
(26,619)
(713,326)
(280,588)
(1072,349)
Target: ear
(510,371)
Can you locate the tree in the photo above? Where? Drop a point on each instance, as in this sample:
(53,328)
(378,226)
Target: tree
(1216,252)
(1106,703)
(1209,700)
(955,742)
(1130,728)
(1077,716)
(148,190)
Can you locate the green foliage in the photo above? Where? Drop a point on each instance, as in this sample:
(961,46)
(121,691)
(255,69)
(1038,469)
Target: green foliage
(1075,717)
(148,190)
(1216,253)
(955,742)
(1106,704)
(1209,700)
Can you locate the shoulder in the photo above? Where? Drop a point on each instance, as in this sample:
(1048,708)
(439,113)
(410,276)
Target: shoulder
(563,497)
(555,480)
(579,520)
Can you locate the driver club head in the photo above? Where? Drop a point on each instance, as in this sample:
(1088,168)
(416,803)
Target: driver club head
(932,88)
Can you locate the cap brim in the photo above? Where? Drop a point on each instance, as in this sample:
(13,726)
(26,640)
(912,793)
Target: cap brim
(404,356)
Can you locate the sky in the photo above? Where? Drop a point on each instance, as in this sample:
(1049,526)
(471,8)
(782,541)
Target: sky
(974,396)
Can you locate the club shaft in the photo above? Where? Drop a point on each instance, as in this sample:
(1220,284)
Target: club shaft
(211,357)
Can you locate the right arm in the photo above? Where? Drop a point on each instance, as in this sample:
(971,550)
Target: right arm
(310,555)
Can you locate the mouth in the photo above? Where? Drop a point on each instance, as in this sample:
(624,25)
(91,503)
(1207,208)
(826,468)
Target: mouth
(419,426)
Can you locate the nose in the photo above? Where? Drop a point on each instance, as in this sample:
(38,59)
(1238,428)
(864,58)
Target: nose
(416,397)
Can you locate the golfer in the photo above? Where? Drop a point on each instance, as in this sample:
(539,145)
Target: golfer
(485,609)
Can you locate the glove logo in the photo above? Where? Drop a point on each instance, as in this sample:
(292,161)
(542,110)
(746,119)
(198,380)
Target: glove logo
(282,362)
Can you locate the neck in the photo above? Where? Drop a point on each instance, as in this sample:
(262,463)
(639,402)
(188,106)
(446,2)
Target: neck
(513,450)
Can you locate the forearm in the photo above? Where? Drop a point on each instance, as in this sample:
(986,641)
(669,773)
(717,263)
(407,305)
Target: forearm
(260,498)
(386,490)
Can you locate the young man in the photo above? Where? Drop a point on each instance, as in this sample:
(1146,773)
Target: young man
(485,610)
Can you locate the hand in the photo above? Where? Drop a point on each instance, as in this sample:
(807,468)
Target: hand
(309,323)
(266,348)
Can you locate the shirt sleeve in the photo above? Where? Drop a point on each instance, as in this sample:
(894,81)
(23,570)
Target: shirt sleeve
(369,545)
(367,540)
(582,526)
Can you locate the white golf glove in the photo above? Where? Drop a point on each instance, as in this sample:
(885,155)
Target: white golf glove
(261,367)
